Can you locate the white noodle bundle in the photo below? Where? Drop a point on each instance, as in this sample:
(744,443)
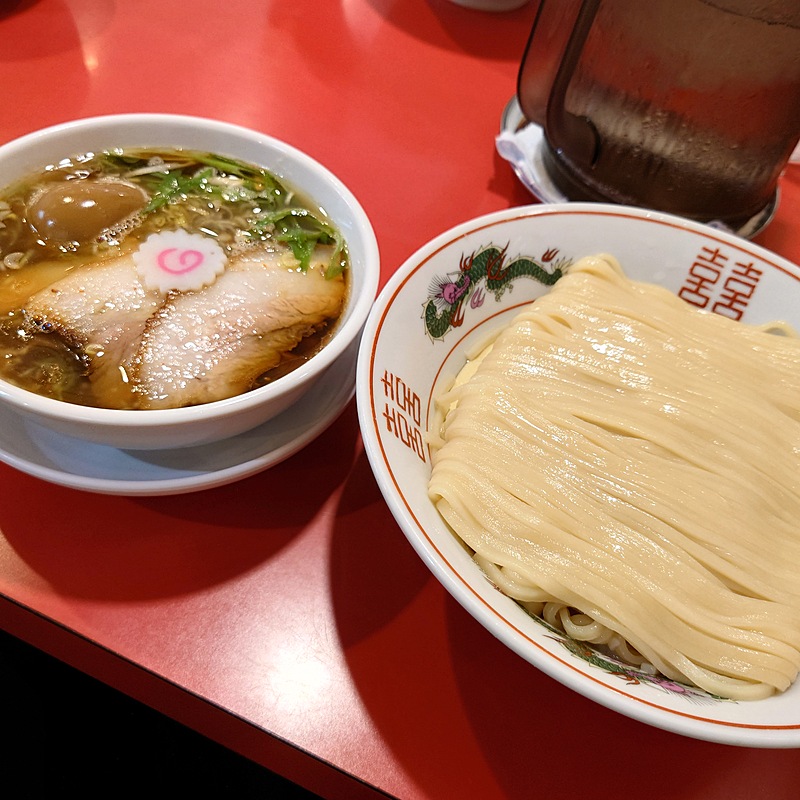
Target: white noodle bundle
(628,465)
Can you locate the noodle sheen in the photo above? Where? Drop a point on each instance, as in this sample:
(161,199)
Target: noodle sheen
(626,466)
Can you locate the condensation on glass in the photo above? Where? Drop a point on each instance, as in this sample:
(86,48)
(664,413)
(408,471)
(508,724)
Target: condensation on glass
(685,106)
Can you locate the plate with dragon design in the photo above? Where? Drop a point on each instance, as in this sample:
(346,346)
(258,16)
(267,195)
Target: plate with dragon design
(450,295)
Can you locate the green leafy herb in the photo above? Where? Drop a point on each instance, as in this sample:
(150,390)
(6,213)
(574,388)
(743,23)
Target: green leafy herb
(301,231)
(194,174)
(261,183)
(174,184)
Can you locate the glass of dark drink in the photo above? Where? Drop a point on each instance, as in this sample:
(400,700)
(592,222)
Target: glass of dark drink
(686,106)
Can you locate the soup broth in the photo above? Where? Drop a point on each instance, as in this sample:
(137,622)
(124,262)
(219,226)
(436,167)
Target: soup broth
(79,323)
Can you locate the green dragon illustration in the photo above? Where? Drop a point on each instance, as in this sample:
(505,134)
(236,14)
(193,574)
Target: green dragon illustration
(444,308)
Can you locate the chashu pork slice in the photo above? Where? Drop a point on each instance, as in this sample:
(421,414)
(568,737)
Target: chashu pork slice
(101,309)
(207,345)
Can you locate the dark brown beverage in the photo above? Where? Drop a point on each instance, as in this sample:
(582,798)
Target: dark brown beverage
(686,106)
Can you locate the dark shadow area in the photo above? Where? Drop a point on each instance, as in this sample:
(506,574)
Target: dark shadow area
(59,45)
(443,692)
(67,732)
(389,616)
(179,544)
(61,25)
(602,742)
(375,572)
(11,7)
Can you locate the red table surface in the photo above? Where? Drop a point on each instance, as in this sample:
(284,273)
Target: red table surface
(285,615)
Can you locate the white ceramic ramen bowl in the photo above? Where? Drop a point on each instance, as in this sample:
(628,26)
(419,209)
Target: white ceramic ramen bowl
(425,321)
(169,428)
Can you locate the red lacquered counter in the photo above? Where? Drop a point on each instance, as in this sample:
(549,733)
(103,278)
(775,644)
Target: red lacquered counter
(285,615)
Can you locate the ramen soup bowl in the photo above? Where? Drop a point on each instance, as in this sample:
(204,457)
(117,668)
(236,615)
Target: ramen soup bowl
(202,422)
(438,309)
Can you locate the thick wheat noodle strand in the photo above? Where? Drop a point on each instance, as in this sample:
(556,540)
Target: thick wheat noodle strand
(627,466)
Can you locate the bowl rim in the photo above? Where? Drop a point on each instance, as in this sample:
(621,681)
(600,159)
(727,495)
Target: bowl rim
(345,332)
